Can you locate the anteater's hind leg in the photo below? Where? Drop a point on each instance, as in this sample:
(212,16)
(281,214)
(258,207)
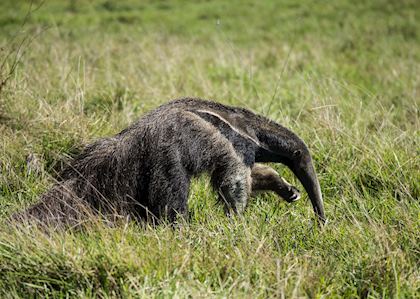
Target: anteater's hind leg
(168,191)
(265,178)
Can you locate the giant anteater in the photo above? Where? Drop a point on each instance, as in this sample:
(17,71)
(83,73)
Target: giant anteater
(145,170)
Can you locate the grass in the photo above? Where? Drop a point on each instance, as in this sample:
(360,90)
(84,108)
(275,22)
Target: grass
(344,76)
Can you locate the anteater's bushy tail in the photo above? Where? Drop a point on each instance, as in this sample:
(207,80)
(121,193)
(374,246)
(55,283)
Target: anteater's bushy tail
(58,207)
(99,180)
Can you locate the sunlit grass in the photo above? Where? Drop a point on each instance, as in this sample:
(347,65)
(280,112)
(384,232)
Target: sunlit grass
(344,78)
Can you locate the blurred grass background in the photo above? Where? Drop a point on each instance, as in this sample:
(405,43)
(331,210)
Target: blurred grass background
(343,75)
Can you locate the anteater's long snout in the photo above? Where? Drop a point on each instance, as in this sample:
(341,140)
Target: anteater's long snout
(306,174)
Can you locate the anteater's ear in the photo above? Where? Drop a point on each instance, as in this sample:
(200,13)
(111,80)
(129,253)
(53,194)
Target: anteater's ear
(297,153)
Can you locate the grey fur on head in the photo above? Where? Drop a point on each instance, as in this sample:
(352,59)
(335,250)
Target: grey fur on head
(145,170)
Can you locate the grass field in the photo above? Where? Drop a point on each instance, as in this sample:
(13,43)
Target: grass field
(344,76)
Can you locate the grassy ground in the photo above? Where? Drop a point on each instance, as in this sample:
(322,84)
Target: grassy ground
(344,76)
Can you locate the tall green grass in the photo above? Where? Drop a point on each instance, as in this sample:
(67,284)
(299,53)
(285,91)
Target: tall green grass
(344,76)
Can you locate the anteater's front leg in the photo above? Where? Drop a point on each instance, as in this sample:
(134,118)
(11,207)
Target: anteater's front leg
(265,178)
(233,184)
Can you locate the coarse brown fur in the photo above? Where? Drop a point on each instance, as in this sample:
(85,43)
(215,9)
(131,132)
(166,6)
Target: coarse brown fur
(145,170)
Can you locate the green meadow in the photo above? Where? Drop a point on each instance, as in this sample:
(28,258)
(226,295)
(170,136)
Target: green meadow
(344,75)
